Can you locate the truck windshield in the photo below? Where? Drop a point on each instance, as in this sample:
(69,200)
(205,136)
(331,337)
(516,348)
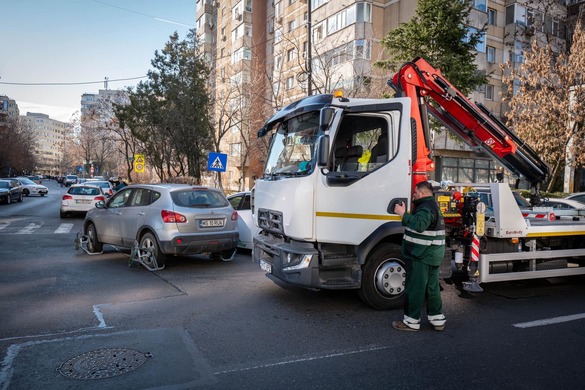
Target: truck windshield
(293,146)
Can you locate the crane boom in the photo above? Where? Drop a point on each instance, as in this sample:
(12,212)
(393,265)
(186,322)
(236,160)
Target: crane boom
(472,122)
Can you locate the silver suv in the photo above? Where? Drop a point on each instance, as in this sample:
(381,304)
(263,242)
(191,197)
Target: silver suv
(166,219)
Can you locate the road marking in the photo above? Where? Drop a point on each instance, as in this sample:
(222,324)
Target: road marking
(99,315)
(64,228)
(550,321)
(305,359)
(28,229)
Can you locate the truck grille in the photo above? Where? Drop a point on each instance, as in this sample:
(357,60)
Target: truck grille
(271,221)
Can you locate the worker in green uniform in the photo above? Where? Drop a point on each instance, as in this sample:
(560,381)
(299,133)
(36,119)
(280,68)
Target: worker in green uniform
(423,249)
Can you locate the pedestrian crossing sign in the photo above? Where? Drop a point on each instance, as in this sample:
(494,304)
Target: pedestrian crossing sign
(217,162)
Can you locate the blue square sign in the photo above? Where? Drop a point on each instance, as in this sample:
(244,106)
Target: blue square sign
(217,162)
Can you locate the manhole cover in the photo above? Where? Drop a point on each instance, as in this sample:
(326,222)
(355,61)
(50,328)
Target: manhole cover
(103,363)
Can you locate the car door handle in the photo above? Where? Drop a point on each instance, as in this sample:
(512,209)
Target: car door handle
(142,213)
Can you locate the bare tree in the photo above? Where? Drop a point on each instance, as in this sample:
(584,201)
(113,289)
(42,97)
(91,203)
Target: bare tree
(546,102)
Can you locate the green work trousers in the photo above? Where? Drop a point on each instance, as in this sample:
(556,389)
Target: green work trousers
(422,282)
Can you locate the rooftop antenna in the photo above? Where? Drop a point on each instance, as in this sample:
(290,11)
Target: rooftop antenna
(105,83)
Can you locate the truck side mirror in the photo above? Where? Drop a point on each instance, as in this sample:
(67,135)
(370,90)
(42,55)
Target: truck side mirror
(326,118)
(323,152)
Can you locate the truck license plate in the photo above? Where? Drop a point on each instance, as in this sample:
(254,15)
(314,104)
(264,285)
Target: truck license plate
(266,267)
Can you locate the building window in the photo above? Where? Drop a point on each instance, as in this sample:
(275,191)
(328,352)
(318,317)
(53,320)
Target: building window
(290,55)
(492,16)
(290,82)
(292,25)
(480,46)
(489,92)
(491,54)
(236,149)
(467,170)
(480,5)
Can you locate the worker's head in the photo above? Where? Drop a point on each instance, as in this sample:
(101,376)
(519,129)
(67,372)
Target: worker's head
(422,190)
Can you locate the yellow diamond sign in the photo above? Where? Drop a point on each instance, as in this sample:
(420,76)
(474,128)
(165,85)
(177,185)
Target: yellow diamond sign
(139,163)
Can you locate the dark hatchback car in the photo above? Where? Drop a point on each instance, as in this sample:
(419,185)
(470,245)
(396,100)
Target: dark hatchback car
(166,219)
(10,191)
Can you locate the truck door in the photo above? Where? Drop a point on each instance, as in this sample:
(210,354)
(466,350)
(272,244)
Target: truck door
(369,167)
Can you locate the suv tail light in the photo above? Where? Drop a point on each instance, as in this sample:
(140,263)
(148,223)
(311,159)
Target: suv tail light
(235,216)
(98,198)
(67,197)
(170,217)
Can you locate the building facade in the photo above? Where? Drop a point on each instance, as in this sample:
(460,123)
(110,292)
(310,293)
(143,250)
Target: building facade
(263,57)
(50,142)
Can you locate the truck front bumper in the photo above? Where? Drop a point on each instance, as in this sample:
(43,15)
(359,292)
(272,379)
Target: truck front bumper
(296,263)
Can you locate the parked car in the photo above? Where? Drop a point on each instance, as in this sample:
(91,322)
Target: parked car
(36,178)
(167,219)
(80,198)
(29,187)
(10,191)
(564,208)
(105,186)
(578,196)
(246,227)
(70,179)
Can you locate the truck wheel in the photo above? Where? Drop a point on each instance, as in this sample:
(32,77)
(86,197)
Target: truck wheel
(93,244)
(148,241)
(383,278)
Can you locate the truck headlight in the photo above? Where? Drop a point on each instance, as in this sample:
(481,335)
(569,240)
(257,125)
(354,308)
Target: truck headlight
(293,261)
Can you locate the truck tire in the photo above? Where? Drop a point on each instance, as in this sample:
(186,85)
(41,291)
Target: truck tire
(383,278)
(93,244)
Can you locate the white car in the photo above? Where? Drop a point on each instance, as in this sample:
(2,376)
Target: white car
(578,196)
(29,187)
(80,198)
(246,227)
(106,186)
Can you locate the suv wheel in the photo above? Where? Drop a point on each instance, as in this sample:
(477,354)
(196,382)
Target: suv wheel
(148,242)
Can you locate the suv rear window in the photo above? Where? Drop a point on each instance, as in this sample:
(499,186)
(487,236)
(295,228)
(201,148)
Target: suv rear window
(198,198)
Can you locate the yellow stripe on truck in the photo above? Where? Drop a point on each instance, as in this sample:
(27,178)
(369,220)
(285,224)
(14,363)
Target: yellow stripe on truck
(556,234)
(358,216)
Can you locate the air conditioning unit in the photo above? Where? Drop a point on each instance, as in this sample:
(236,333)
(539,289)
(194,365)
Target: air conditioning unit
(279,20)
(223,38)
(238,16)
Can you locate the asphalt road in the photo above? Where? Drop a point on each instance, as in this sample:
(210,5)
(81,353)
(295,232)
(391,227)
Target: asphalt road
(69,320)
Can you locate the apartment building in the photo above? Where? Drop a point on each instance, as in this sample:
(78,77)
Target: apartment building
(50,141)
(263,58)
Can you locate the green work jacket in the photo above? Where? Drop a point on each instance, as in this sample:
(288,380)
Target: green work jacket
(424,237)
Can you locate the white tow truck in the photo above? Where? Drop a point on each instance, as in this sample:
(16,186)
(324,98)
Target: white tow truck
(337,167)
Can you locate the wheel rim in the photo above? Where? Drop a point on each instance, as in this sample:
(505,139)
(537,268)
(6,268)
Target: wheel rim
(90,237)
(391,278)
(150,245)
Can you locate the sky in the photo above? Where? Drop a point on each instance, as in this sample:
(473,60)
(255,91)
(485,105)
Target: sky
(77,44)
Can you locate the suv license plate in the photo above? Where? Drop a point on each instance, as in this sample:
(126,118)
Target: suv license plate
(266,267)
(205,223)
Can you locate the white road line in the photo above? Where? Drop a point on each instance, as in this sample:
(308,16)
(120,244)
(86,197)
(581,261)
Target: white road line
(305,359)
(550,321)
(99,315)
(28,229)
(64,228)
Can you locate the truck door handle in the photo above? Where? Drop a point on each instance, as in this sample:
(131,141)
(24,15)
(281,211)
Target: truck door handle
(393,204)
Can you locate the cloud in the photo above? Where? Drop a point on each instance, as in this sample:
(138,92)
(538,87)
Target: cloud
(62,114)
